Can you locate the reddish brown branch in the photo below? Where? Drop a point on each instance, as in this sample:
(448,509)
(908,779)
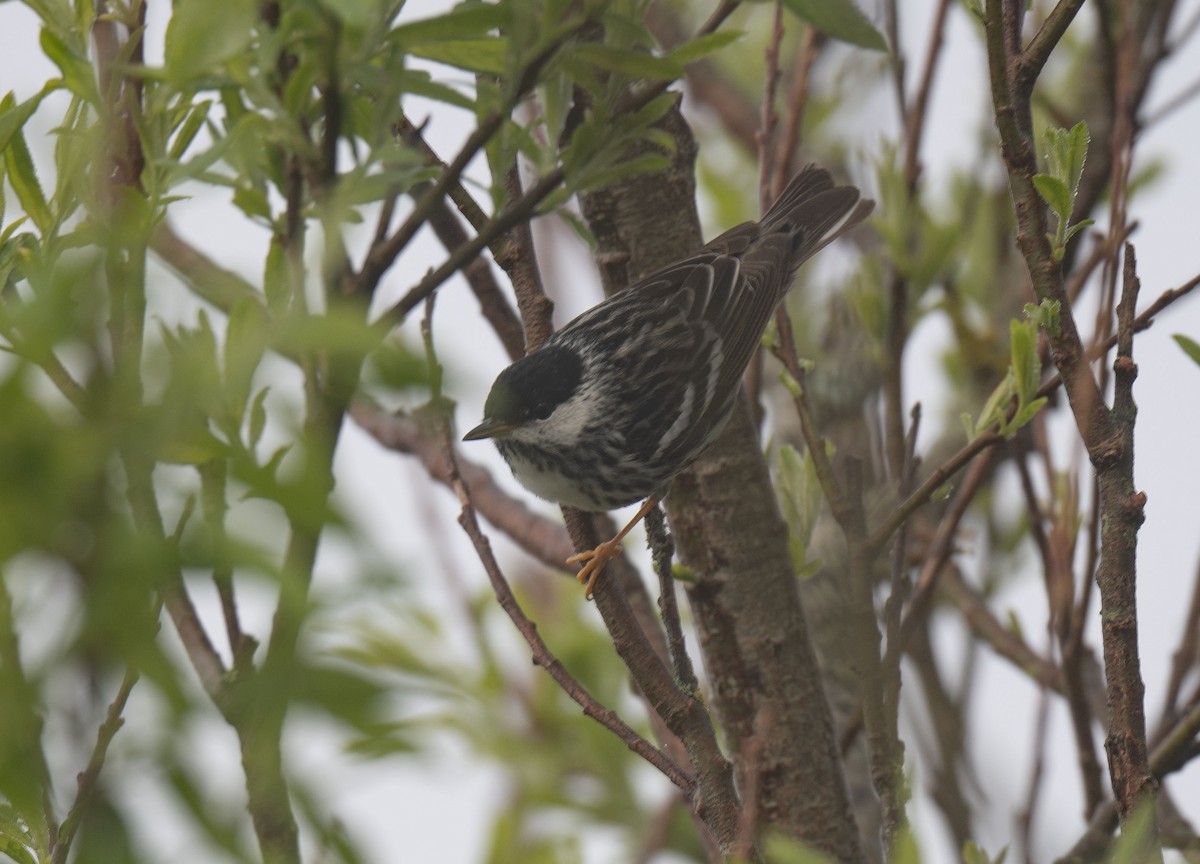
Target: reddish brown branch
(797,101)
(493,305)
(916,114)
(1001,637)
(544,539)
(383,254)
(516,212)
(769,117)
(1122,513)
(85,782)
(542,655)
(663,548)
(707,82)
(1035,55)
(1107,435)
(519,260)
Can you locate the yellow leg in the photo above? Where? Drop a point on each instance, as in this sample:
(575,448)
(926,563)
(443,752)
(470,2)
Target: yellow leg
(595,560)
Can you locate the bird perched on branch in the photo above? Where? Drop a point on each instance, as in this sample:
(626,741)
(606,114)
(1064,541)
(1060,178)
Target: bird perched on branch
(631,392)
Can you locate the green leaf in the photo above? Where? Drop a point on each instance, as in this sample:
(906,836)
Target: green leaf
(464,22)
(972,854)
(358,14)
(633,64)
(1023,416)
(696,49)
(839,19)
(252,202)
(14,252)
(651,112)
(1027,366)
(781,849)
(14,116)
(339,331)
(16,840)
(1053,143)
(77,71)
(598,178)
(489,56)
(192,446)
(275,277)
(419,82)
(1189,345)
(993,408)
(397,368)
(14,850)
(192,124)
(203,34)
(1076,228)
(56,14)
(1046,315)
(258,417)
(1075,153)
(23,178)
(1055,193)
(245,341)
(1135,841)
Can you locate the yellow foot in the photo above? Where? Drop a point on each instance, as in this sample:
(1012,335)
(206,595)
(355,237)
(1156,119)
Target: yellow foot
(594,561)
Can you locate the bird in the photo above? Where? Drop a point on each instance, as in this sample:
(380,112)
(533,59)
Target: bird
(632,391)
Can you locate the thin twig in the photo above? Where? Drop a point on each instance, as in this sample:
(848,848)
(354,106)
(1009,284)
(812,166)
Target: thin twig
(88,778)
(663,548)
(539,536)
(1123,510)
(1001,637)
(542,654)
(1185,658)
(797,101)
(1014,122)
(493,305)
(1175,750)
(1038,51)
(519,260)
(414,137)
(932,484)
(1144,320)
(769,119)
(915,117)
(381,256)
(1036,774)
(521,209)
(901,586)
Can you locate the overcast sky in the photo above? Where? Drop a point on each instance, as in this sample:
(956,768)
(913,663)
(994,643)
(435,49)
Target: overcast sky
(438,810)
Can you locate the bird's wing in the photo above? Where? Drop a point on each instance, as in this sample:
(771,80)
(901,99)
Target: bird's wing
(687,332)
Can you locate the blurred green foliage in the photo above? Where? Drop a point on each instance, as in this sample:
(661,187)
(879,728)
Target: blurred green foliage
(167,434)
(174,430)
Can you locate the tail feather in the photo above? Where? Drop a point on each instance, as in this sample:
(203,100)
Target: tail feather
(816,210)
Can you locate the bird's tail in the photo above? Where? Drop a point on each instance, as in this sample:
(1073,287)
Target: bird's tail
(815,211)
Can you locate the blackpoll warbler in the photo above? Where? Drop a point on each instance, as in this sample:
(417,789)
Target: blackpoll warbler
(632,391)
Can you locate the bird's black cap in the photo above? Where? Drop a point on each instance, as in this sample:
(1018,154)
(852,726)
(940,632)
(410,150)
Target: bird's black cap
(529,390)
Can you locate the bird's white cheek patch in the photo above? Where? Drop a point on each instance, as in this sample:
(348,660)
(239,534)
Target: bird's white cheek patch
(572,420)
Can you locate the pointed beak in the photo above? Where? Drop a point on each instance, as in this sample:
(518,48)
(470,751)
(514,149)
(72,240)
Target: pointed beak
(489,428)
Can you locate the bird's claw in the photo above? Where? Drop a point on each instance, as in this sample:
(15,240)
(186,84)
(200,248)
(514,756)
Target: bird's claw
(594,562)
